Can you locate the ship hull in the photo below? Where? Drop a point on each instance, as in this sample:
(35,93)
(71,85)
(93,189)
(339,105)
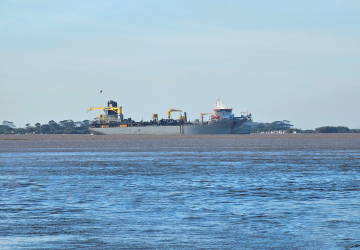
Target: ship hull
(190,129)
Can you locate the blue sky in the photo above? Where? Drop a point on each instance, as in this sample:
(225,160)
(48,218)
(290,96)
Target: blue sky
(293,60)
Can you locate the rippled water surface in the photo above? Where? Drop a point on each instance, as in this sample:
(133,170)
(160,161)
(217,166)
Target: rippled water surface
(188,192)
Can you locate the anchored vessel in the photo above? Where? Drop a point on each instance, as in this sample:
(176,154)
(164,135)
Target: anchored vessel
(222,121)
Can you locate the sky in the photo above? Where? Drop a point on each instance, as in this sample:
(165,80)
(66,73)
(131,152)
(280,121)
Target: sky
(281,60)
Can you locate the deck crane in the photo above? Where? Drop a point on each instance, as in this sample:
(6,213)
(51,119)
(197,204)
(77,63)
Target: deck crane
(155,117)
(202,116)
(117,110)
(246,111)
(248,116)
(168,113)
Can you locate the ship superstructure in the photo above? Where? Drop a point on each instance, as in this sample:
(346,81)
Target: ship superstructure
(221,112)
(222,121)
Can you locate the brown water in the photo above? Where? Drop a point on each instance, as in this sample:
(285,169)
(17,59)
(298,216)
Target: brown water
(292,191)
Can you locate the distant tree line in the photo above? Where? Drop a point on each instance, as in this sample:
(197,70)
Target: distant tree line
(52,127)
(267,127)
(286,126)
(331,129)
(339,129)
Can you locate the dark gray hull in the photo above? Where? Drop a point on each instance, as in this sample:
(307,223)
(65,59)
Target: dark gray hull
(227,127)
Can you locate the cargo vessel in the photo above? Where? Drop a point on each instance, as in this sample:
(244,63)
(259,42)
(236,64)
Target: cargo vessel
(221,121)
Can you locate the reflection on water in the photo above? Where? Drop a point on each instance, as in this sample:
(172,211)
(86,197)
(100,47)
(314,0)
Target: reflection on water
(211,192)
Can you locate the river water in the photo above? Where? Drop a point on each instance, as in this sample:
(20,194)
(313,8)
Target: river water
(292,191)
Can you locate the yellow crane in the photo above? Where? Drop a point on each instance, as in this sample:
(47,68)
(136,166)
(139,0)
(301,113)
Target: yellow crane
(247,112)
(168,113)
(115,109)
(202,115)
(155,117)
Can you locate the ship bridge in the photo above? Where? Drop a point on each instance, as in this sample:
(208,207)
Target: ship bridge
(221,111)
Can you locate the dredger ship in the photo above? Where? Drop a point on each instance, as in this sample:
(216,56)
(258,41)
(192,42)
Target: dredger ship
(221,121)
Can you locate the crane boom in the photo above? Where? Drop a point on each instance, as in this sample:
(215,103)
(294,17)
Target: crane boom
(247,112)
(202,115)
(168,113)
(116,110)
